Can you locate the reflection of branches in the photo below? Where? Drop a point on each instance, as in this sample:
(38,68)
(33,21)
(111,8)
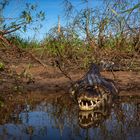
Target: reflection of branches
(119,112)
(63,112)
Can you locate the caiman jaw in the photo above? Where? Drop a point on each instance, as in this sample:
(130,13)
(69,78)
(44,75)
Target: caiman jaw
(90,103)
(86,103)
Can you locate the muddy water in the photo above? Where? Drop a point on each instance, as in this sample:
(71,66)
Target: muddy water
(60,119)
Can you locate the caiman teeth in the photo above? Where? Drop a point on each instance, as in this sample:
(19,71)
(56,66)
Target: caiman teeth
(91,103)
(86,103)
(79,101)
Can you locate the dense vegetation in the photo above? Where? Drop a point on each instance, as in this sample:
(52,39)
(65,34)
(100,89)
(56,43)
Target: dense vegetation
(92,34)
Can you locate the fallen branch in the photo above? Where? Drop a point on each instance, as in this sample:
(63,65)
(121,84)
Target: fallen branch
(59,66)
(37,59)
(10,31)
(64,72)
(5,40)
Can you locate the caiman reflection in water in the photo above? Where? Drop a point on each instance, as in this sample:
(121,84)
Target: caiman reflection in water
(94,118)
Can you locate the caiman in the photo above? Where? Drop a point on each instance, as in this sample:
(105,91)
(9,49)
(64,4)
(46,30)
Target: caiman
(93,90)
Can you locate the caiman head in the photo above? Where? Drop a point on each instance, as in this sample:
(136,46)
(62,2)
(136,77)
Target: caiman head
(92,90)
(91,98)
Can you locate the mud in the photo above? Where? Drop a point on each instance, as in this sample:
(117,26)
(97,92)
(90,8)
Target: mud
(24,74)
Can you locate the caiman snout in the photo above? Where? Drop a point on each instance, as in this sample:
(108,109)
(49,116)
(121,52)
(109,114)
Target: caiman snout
(92,103)
(92,98)
(86,103)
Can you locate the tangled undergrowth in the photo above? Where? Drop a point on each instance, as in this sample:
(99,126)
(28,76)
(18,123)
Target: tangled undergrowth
(61,53)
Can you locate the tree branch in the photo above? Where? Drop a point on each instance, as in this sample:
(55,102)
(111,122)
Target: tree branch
(3,32)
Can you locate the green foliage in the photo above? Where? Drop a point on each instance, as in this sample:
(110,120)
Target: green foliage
(30,15)
(89,30)
(136,6)
(2,66)
(20,42)
(27,17)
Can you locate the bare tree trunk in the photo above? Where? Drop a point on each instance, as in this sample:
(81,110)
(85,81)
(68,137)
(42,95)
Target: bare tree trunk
(59,28)
(88,36)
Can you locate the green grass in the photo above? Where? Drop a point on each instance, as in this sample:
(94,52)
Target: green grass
(74,49)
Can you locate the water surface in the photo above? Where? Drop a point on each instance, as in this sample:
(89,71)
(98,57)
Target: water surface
(61,120)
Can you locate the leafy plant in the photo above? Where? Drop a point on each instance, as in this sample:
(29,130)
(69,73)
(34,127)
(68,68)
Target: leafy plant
(2,66)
